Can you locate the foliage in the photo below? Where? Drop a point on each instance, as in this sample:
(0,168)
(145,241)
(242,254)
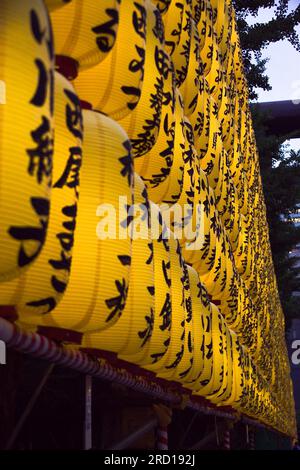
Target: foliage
(280,170)
(281,187)
(254,38)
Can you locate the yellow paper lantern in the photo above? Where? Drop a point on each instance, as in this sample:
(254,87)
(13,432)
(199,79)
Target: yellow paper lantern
(96,294)
(209,380)
(154,166)
(237,359)
(217,280)
(85,31)
(173,21)
(181,217)
(226,390)
(205,19)
(207,39)
(201,251)
(224,27)
(114,86)
(209,110)
(201,312)
(143,123)
(232,216)
(226,117)
(184,356)
(220,360)
(200,116)
(189,88)
(215,75)
(180,54)
(39,289)
(132,331)
(210,160)
(160,324)
(170,364)
(170,188)
(26,133)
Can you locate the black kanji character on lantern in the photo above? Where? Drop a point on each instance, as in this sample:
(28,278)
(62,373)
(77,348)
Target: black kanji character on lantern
(62,264)
(32,234)
(66,239)
(116,304)
(131,90)
(40,157)
(70,175)
(158,178)
(125,260)
(166,313)
(74,114)
(46,77)
(127,162)
(179,355)
(40,94)
(146,139)
(36,30)
(177,30)
(105,32)
(166,268)
(136,65)
(146,334)
(150,259)
(162,62)
(49,303)
(139,20)
(209,348)
(186,371)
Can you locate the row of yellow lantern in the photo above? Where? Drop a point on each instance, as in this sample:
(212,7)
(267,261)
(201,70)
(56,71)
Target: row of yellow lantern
(174,82)
(160,337)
